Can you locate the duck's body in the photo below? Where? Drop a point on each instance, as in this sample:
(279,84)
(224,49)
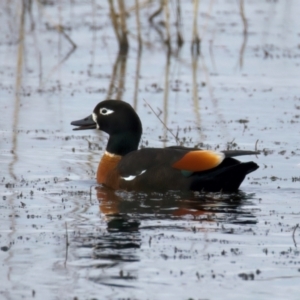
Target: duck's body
(158,169)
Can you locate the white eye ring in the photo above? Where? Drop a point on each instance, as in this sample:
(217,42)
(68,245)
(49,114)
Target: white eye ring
(105,111)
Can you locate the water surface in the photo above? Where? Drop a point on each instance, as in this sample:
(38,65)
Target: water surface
(63,237)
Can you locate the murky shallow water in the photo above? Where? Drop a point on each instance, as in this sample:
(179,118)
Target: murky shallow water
(61,238)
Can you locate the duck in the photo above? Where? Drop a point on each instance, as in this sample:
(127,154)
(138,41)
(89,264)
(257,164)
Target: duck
(176,168)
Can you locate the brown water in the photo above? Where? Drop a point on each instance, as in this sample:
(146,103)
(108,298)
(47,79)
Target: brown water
(62,238)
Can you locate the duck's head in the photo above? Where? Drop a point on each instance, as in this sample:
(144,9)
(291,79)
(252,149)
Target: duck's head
(119,120)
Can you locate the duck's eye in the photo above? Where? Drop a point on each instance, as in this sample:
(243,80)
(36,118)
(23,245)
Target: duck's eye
(105,111)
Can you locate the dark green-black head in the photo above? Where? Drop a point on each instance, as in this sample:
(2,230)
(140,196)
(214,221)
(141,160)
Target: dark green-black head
(119,120)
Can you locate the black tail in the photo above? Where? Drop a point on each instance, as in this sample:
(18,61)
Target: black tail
(227,177)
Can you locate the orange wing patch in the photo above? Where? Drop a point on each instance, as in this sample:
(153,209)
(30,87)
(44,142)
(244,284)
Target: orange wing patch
(200,160)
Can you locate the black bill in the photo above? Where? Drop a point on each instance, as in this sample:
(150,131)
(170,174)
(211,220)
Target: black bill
(86,123)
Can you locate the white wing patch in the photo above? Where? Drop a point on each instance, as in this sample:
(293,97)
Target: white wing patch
(131,177)
(128,178)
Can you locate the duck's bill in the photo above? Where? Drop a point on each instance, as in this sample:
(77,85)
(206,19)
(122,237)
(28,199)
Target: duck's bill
(86,123)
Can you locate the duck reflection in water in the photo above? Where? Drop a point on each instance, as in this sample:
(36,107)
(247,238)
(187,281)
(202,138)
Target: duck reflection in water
(131,217)
(212,207)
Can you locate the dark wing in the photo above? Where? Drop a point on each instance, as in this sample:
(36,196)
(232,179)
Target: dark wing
(233,153)
(182,169)
(228,153)
(138,162)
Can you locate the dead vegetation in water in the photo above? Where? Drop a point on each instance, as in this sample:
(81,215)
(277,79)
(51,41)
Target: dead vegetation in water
(165,18)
